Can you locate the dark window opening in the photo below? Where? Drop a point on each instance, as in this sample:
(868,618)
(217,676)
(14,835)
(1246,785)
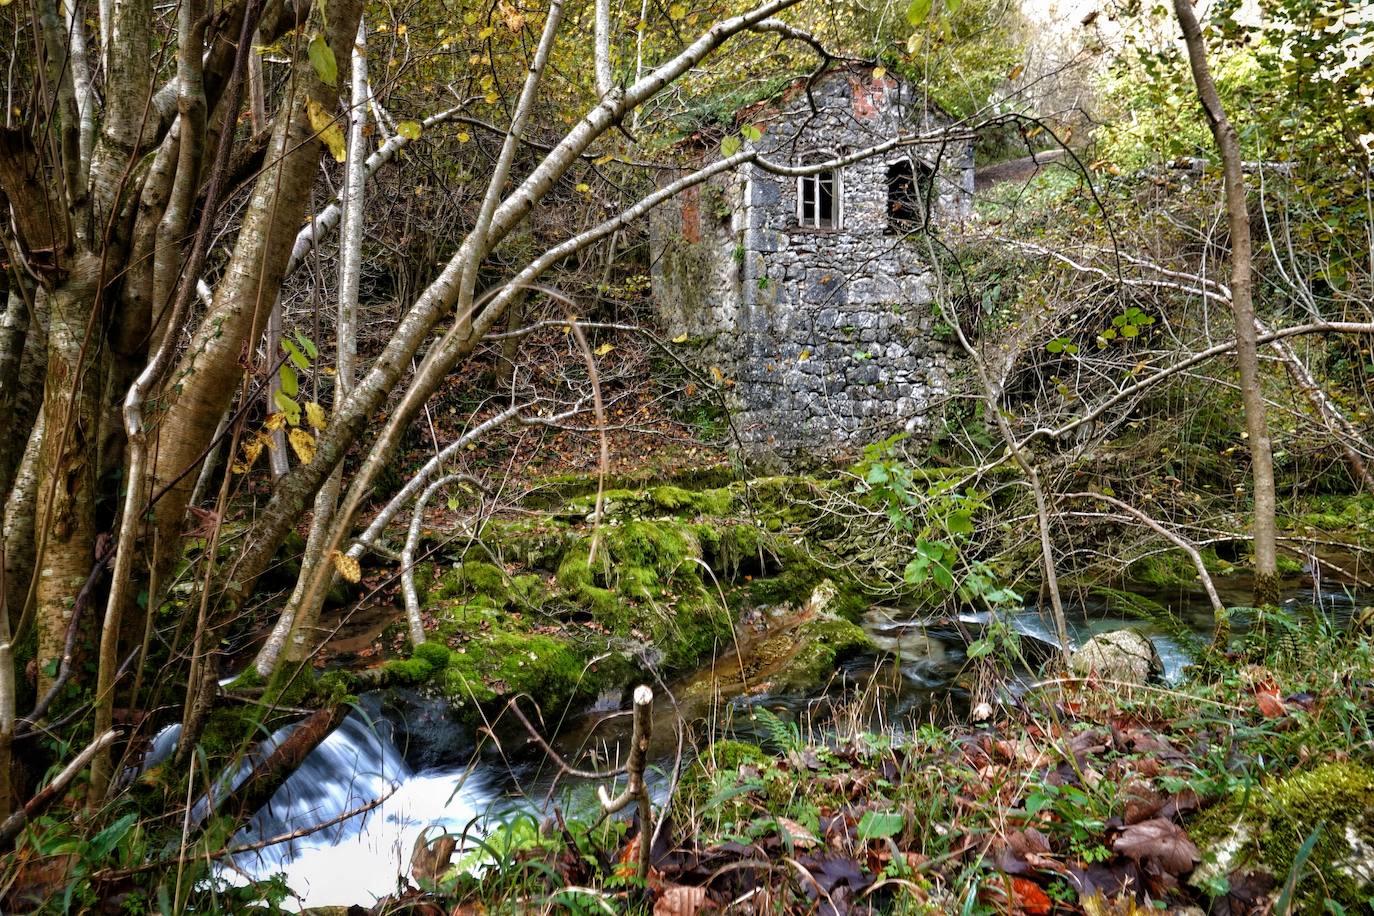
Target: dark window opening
(909,190)
(818,200)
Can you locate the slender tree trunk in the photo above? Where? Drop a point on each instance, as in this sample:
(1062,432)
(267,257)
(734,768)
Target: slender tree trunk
(67,461)
(297,621)
(1242,304)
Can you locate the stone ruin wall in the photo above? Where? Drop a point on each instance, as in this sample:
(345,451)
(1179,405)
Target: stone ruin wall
(830,336)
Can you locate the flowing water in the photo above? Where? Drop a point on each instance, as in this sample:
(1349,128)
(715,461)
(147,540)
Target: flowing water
(431,777)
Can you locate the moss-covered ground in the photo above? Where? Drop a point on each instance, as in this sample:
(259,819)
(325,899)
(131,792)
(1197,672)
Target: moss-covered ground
(1247,788)
(560,606)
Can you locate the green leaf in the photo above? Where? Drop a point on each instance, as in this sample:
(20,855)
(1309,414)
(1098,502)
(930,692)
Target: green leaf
(1055,346)
(978,648)
(1130,330)
(295,355)
(917,12)
(322,59)
(751,133)
(960,522)
(942,576)
(290,385)
(307,344)
(877,474)
(288,407)
(729,146)
(879,825)
(411,130)
(110,837)
(917,571)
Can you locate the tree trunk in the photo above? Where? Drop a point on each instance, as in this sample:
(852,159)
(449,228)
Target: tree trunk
(67,461)
(203,384)
(1247,351)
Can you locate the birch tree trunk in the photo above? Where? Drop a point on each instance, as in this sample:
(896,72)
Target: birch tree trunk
(296,622)
(1247,350)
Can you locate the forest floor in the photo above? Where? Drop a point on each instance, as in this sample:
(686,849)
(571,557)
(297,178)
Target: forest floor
(1247,788)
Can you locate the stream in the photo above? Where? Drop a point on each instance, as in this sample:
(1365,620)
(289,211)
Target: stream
(433,776)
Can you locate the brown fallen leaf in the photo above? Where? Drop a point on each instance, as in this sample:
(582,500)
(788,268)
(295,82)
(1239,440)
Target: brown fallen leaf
(1159,841)
(680,900)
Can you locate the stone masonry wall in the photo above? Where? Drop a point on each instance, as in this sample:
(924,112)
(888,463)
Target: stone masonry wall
(830,335)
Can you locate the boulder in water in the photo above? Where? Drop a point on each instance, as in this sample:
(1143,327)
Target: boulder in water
(1121,655)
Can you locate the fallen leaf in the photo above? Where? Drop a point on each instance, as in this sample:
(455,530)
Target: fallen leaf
(679,900)
(1029,898)
(1161,842)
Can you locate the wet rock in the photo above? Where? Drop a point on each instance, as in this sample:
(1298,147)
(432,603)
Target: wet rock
(1121,655)
(427,729)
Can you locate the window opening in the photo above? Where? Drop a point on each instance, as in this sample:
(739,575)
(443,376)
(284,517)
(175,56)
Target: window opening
(818,200)
(909,188)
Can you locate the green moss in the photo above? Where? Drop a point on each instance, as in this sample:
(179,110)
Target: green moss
(825,642)
(1337,515)
(409,671)
(550,670)
(436,654)
(1338,798)
(1173,569)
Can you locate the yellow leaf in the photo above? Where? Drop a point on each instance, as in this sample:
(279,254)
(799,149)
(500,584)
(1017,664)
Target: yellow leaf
(411,130)
(347,567)
(238,467)
(604,349)
(717,374)
(328,129)
(302,443)
(275,420)
(252,448)
(315,415)
(603,159)
(464,136)
(805,355)
(486,33)
(583,188)
(879,72)
(492,98)
(401,29)
(677,11)
(681,338)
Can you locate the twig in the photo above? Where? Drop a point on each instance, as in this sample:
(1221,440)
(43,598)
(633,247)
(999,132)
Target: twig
(636,790)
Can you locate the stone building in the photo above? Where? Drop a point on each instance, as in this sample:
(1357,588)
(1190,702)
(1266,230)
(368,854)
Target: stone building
(813,294)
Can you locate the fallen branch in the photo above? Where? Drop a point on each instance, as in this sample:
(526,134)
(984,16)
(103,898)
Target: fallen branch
(1182,543)
(53,790)
(267,776)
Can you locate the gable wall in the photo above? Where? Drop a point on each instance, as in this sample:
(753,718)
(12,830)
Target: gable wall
(829,335)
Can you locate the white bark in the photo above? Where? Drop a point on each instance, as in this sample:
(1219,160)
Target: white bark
(293,623)
(603,47)
(414,620)
(81,82)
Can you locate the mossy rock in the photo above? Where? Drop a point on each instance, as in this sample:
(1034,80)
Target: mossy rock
(470,577)
(825,643)
(1268,833)
(645,585)
(656,502)
(1173,569)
